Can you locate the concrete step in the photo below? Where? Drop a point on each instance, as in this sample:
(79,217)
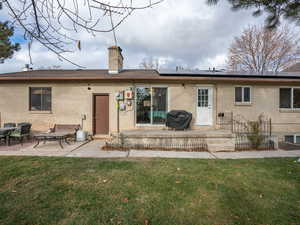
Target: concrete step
(177,134)
(215,140)
(220,144)
(219,140)
(220,148)
(102,137)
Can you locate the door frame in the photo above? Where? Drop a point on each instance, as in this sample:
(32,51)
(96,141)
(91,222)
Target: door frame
(212,104)
(93,113)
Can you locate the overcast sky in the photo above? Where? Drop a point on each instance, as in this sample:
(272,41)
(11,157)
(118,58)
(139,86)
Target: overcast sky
(185,33)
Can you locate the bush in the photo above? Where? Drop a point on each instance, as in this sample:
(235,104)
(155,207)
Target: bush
(255,135)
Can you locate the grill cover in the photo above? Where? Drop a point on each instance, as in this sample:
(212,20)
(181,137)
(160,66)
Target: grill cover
(179,119)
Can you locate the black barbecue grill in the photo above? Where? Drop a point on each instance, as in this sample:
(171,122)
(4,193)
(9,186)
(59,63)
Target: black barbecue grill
(179,119)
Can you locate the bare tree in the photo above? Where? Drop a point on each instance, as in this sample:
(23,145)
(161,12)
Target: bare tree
(260,50)
(51,22)
(150,63)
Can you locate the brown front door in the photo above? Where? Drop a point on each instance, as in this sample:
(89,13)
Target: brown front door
(101,114)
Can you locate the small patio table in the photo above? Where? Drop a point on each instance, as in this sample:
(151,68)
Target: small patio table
(54,136)
(4,130)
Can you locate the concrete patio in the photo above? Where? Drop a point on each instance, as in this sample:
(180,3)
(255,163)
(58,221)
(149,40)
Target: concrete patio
(93,150)
(48,149)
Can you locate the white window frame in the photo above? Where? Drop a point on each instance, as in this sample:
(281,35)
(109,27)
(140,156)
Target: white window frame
(135,106)
(291,100)
(243,101)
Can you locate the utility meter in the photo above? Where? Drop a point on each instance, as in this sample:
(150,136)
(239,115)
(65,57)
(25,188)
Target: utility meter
(119,95)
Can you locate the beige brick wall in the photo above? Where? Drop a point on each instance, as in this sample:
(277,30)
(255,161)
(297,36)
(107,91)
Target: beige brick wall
(184,97)
(72,99)
(265,99)
(69,102)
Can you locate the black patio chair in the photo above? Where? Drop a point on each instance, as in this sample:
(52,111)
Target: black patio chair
(9,125)
(24,123)
(21,132)
(4,135)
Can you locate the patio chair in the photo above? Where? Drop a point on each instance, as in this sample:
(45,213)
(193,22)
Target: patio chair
(4,135)
(8,125)
(21,132)
(24,123)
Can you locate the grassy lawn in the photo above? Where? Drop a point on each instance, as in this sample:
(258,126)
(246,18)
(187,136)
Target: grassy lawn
(156,191)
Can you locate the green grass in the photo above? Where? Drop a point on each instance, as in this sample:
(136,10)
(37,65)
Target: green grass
(158,191)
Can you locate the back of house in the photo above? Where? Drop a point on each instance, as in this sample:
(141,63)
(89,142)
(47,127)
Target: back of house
(115,99)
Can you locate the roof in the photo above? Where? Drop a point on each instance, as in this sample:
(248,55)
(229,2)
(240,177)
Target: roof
(293,68)
(145,75)
(79,75)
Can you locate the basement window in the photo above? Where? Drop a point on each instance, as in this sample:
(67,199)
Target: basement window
(242,95)
(40,99)
(289,98)
(295,139)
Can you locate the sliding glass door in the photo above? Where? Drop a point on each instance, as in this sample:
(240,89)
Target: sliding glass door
(143,105)
(159,105)
(151,105)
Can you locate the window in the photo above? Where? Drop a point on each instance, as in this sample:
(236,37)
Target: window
(285,97)
(39,99)
(289,138)
(242,95)
(295,139)
(296,98)
(202,97)
(289,98)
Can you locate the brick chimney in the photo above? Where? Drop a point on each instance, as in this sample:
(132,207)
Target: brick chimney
(115,60)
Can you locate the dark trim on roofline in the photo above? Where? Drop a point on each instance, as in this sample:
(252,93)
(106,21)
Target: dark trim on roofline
(175,79)
(242,76)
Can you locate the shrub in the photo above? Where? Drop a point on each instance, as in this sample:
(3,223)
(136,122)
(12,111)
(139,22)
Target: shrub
(255,135)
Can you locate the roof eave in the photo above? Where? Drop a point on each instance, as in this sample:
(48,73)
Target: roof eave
(167,78)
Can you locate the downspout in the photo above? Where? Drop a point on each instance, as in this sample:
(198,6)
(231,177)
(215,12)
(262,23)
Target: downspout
(118,117)
(216,103)
(134,104)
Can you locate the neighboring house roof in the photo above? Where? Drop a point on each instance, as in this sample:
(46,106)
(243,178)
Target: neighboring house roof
(149,75)
(293,68)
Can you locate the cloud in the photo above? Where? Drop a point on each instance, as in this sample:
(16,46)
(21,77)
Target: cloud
(190,33)
(179,33)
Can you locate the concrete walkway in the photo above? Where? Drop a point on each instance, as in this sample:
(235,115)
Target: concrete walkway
(49,149)
(93,150)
